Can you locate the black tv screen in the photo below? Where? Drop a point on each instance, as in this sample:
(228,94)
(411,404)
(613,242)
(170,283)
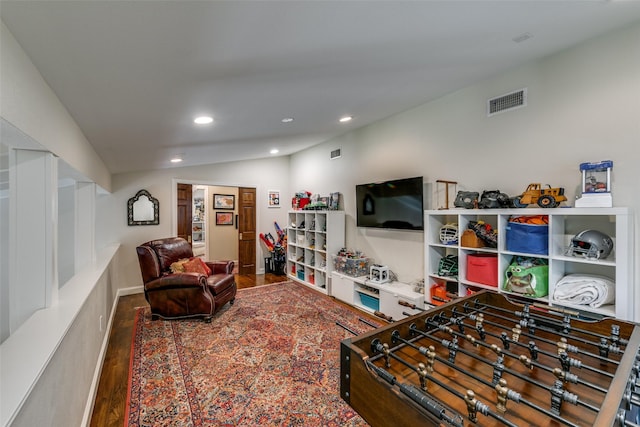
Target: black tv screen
(392,204)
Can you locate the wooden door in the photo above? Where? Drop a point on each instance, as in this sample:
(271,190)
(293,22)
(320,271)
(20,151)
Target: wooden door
(247,230)
(184,211)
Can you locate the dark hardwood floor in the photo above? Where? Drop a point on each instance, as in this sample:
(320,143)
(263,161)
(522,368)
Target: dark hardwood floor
(109,407)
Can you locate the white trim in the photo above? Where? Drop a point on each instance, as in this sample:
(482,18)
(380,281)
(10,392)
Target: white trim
(93,389)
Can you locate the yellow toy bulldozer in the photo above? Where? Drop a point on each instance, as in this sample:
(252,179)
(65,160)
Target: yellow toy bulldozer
(543,197)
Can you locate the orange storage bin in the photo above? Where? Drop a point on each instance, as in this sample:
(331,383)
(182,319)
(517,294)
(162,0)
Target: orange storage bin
(483,268)
(439,291)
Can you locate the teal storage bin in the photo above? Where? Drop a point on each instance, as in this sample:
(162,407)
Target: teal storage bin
(369,301)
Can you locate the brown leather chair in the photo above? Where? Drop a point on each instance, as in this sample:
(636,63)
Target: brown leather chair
(183,295)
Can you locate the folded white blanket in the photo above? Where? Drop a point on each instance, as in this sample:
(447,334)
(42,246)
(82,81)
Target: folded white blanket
(590,289)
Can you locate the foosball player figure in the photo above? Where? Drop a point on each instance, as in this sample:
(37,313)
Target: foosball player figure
(526,361)
(387,352)
(501,389)
(472,340)
(562,346)
(470,399)
(479,320)
(558,395)
(481,332)
(431,358)
(516,331)
(603,348)
(498,366)
(505,340)
(422,375)
(453,348)
(533,349)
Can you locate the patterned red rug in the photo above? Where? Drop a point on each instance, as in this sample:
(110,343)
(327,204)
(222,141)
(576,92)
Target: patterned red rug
(270,359)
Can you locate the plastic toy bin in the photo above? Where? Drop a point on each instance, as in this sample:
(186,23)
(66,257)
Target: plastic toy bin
(527,238)
(483,268)
(369,301)
(354,267)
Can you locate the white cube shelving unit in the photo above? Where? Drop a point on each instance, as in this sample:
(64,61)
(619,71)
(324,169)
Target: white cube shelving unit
(312,236)
(564,224)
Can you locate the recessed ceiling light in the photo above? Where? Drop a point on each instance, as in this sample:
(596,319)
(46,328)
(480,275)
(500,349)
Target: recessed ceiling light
(345,119)
(176,160)
(203,120)
(287,120)
(274,151)
(522,37)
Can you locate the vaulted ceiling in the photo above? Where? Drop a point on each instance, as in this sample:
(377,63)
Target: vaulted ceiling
(134,74)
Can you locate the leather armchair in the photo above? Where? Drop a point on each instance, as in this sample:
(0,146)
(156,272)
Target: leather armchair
(183,295)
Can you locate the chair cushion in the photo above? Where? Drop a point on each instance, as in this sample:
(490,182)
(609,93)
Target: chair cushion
(178,266)
(195,265)
(218,283)
(205,266)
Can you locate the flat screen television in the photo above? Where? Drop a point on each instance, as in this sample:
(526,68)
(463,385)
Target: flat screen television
(396,204)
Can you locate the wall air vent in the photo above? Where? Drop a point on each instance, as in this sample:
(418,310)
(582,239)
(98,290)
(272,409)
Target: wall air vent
(507,102)
(335,154)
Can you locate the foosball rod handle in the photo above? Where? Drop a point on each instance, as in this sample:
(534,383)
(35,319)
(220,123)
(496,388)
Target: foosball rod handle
(383,316)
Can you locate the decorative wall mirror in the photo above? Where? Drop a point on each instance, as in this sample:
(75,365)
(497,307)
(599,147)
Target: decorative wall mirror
(143,209)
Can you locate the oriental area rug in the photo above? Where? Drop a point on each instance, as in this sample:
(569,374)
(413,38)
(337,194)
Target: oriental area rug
(271,359)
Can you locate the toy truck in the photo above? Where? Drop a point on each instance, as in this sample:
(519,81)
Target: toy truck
(544,197)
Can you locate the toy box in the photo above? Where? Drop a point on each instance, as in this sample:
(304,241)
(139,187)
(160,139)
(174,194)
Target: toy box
(354,267)
(483,268)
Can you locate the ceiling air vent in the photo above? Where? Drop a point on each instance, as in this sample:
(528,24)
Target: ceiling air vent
(335,154)
(507,102)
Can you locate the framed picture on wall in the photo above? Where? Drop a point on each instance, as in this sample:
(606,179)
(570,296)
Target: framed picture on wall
(224,218)
(273,198)
(224,201)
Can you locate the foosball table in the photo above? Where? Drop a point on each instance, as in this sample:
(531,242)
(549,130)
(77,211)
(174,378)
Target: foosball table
(485,360)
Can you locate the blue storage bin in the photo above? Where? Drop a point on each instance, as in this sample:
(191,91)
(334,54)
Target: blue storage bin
(528,238)
(369,301)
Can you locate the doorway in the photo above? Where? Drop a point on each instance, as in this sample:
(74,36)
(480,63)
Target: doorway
(219,222)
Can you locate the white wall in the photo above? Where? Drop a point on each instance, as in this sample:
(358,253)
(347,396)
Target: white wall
(46,370)
(583,105)
(267,174)
(222,240)
(29,104)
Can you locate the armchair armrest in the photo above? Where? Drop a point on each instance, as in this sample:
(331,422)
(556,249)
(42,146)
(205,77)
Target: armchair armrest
(221,267)
(178,280)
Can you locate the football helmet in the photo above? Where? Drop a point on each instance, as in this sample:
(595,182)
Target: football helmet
(449,234)
(591,244)
(448,266)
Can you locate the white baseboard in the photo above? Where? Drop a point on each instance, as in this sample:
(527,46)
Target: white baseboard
(130,291)
(93,390)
